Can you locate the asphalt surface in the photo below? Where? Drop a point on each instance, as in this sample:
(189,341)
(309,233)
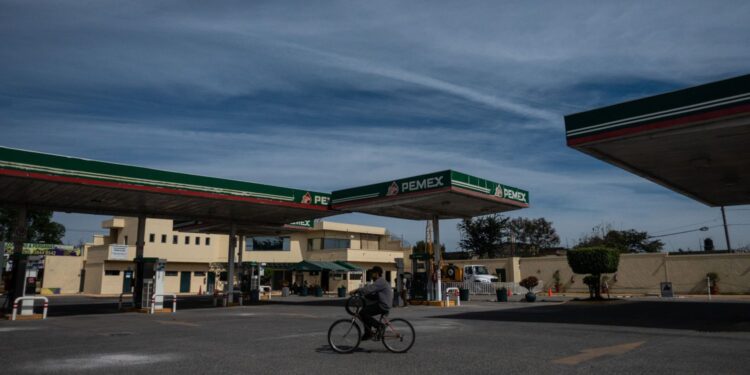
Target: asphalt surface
(289,336)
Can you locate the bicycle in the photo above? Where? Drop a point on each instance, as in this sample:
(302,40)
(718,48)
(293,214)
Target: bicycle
(345,335)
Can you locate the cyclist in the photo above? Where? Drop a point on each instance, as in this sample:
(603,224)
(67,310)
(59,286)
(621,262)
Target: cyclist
(384,301)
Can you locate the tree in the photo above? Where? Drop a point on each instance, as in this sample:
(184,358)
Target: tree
(625,241)
(421,247)
(483,235)
(594,261)
(534,234)
(41,228)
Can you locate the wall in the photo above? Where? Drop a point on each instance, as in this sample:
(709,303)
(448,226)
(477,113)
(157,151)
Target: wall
(92,282)
(63,272)
(641,273)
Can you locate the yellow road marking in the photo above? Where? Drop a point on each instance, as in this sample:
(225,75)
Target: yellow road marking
(589,354)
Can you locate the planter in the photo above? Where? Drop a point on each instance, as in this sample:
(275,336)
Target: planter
(530,297)
(342,291)
(318,292)
(502,295)
(303,291)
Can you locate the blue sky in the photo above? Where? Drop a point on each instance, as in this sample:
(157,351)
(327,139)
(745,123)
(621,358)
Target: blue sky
(329,95)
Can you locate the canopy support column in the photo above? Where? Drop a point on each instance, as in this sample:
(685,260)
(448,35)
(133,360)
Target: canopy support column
(230,262)
(18,272)
(140,243)
(436,250)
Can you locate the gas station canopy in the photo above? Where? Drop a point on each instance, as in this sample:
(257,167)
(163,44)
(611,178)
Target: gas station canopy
(445,195)
(695,141)
(86,186)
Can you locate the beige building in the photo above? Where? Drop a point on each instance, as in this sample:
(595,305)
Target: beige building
(196,263)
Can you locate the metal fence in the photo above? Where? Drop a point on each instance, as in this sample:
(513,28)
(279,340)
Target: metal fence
(490,288)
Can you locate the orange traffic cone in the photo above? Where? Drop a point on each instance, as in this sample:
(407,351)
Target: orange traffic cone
(549,292)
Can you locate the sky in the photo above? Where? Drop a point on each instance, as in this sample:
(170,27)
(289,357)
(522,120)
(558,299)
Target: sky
(329,95)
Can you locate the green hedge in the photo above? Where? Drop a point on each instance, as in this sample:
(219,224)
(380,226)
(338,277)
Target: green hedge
(594,260)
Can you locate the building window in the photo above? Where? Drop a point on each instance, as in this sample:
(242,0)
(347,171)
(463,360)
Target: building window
(126,240)
(369,242)
(151,237)
(197,240)
(199,274)
(163,238)
(310,244)
(187,240)
(208,241)
(170,273)
(336,243)
(112,272)
(267,244)
(174,239)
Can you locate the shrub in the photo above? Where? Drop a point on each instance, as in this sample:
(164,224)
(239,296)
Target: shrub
(594,261)
(529,283)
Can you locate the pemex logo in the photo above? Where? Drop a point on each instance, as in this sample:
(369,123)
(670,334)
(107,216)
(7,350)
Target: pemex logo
(393,189)
(307,198)
(498,191)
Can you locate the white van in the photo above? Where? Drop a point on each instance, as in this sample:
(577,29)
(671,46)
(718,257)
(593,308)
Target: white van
(478,273)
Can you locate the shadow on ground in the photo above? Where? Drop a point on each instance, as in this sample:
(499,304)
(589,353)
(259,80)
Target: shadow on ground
(698,316)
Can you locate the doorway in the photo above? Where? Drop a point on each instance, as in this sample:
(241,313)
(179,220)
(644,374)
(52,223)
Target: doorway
(185,281)
(324,279)
(210,281)
(127,282)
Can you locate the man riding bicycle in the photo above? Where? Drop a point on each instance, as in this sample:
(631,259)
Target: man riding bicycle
(379,291)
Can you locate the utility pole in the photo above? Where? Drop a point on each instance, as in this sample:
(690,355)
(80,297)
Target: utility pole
(726,229)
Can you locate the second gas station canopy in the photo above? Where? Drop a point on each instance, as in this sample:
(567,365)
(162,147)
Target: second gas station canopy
(695,141)
(442,195)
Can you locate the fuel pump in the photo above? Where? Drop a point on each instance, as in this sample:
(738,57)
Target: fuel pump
(250,279)
(149,281)
(24,279)
(419,264)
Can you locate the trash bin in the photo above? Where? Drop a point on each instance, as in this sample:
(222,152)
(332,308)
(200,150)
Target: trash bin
(285,291)
(342,291)
(255,295)
(502,295)
(303,291)
(464,293)
(318,292)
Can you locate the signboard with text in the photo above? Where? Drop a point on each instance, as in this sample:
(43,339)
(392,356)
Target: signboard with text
(118,252)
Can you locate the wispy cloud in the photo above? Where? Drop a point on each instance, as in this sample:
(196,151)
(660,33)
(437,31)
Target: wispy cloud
(325,96)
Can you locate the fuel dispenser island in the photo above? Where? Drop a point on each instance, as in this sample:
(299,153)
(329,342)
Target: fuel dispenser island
(250,279)
(149,281)
(24,279)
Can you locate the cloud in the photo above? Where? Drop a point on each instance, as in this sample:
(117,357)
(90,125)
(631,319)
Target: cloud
(325,96)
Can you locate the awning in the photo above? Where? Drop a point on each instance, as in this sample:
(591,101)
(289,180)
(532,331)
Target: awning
(348,265)
(311,266)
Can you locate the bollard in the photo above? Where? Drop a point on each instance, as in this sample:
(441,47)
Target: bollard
(708,282)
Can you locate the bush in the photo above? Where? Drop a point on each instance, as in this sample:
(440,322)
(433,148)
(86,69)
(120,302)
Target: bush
(594,261)
(529,283)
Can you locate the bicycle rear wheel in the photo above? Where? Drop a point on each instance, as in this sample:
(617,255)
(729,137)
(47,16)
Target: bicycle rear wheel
(398,336)
(344,336)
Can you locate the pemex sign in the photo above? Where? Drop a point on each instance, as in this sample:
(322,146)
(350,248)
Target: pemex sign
(430,182)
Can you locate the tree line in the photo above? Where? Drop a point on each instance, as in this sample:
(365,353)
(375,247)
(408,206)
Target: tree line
(495,236)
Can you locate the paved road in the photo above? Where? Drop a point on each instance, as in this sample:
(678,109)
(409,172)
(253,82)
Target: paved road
(482,337)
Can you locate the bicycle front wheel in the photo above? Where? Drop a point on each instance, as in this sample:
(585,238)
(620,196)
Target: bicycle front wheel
(398,336)
(344,336)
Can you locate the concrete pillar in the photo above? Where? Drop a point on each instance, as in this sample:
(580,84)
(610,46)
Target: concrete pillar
(230,262)
(18,272)
(240,250)
(436,248)
(140,243)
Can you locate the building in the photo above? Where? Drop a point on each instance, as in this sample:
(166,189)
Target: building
(335,254)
